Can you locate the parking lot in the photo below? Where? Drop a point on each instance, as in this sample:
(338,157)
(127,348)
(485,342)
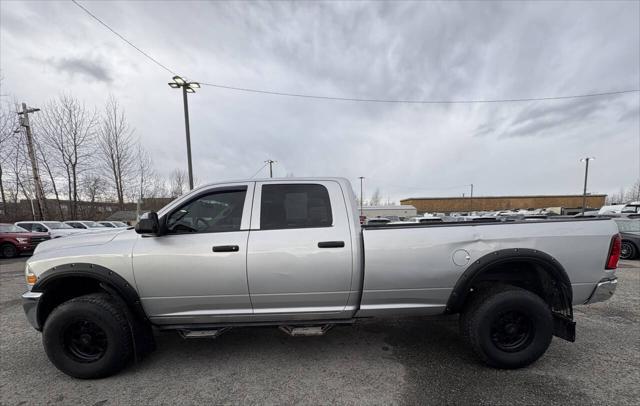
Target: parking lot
(407,361)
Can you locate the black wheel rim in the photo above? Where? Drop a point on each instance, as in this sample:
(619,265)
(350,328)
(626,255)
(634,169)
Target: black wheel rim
(512,331)
(625,251)
(85,341)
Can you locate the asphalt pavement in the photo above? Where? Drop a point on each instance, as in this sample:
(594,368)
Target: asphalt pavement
(408,361)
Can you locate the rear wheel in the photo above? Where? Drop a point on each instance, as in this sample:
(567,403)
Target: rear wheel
(628,250)
(88,337)
(8,250)
(507,327)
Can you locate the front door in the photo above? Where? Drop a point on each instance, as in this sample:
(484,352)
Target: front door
(300,256)
(196,272)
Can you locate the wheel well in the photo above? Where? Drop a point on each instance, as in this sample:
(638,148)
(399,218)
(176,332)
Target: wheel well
(532,276)
(63,289)
(529,269)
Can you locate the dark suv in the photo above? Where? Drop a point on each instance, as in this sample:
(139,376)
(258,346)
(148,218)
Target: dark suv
(16,240)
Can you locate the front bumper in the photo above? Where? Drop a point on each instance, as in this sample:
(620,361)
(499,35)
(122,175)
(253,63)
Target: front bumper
(603,291)
(30,301)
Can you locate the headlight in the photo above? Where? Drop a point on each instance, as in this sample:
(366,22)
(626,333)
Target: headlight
(22,240)
(30,276)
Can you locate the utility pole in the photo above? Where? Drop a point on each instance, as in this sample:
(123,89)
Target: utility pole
(187,87)
(586,174)
(186,129)
(471,199)
(361,196)
(270,162)
(24,122)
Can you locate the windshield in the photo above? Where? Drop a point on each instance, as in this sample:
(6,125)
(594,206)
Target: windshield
(628,226)
(119,224)
(10,228)
(92,224)
(54,225)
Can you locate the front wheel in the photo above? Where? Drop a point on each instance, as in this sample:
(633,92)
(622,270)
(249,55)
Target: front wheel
(88,337)
(8,251)
(628,250)
(507,327)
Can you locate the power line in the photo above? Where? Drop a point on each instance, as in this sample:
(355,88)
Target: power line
(353,99)
(152,59)
(258,171)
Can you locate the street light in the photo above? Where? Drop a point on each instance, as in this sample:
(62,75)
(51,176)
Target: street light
(361,197)
(187,87)
(586,173)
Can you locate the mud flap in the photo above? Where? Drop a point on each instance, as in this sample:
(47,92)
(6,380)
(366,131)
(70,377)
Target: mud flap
(564,327)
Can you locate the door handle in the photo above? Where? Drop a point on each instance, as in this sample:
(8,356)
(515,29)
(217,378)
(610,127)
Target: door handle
(226,248)
(331,244)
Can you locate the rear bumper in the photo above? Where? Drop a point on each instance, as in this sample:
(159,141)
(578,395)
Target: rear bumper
(30,301)
(603,291)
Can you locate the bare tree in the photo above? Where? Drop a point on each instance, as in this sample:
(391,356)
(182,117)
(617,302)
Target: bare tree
(68,127)
(633,193)
(117,149)
(177,183)
(8,124)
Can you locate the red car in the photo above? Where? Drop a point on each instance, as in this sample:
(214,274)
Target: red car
(16,240)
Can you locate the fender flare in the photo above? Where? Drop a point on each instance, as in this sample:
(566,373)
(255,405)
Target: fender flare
(466,280)
(113,284)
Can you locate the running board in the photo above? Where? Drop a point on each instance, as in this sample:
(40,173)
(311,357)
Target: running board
(202,333)
(306,331)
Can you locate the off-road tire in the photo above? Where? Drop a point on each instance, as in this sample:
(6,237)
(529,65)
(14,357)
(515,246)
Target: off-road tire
(482,324)
(8,250)
(65,331)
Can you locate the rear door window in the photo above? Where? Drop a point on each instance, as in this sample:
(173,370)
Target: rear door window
(295,206)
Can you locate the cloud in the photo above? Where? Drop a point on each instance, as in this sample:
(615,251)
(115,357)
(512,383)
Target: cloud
(386,50)
(93,69)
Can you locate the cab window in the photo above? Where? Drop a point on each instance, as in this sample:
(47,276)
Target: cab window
(26,226)
(210,213)
(38,228)
(295,206)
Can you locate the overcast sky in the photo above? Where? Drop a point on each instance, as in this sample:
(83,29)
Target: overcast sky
(395,50)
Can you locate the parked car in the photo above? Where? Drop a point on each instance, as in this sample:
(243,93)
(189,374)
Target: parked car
(85,225)
(113,224)
(378,221)
(630,231)
(16,240)
(56,229)
(291,253)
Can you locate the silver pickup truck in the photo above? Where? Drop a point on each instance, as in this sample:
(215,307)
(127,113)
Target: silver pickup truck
(291,253)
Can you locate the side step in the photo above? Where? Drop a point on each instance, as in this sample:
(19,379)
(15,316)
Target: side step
(299,331)
(203,333)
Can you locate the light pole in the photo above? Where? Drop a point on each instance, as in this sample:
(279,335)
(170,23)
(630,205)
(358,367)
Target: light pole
(361,197)
(471,200)
(187,87)
(586,174)
(270,162)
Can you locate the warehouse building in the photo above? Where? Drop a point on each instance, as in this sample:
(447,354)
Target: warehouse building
(570,204)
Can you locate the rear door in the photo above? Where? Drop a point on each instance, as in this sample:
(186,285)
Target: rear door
(299,258)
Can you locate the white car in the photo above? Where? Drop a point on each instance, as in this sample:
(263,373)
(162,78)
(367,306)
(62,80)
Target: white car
(56,229)
(113,224)
(86,225)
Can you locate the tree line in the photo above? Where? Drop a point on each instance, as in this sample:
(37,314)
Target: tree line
(82,154)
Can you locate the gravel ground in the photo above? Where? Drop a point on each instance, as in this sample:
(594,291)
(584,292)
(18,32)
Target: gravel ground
(407,361)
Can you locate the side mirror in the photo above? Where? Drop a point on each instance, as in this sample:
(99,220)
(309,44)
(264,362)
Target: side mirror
(148,224)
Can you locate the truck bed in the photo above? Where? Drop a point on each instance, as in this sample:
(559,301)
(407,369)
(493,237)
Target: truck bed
(414,267)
